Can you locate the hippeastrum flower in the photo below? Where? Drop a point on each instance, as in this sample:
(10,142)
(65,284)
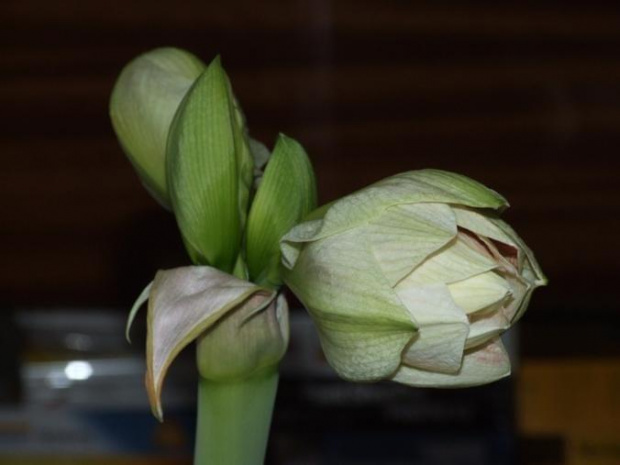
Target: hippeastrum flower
(144,100)
(413,279)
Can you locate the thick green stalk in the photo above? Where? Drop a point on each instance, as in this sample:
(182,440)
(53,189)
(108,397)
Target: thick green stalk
(234,419)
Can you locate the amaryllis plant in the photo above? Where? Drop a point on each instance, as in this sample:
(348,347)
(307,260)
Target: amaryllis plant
(412,279)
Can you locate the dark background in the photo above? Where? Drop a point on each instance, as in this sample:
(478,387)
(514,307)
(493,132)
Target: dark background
(524,97)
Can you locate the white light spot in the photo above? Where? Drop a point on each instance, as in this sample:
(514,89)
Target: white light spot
(78,370)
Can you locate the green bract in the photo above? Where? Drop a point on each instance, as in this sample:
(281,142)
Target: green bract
(210,171)
(143,102)
(413,279)
(285,195)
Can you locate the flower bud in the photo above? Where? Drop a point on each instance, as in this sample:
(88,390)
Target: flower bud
(413,279)
(144,100)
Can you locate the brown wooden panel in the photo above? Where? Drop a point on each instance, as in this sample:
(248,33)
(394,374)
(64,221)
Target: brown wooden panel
(525,98)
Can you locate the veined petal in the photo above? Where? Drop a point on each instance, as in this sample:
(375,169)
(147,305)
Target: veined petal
(442,329)
(480,292)
(363,325)
(404,235)
(486,326)
(429,186)
(481,224)
(183,303)
(292,243)
(480,366)
(455,262)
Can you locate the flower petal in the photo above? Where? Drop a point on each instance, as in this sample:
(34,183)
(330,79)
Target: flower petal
(404,235)
(443,328)
(362,324)
(485,326)
(183,303)
(480,292)
(480,366)
(455,262)
(432,186)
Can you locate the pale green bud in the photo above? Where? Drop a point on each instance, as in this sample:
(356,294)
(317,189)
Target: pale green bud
(413,279)
(144,100)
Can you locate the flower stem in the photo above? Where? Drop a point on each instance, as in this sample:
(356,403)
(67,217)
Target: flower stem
(234,419)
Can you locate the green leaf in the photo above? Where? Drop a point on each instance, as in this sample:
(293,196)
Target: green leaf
(183,304)
(209,170)
(144,100)
(286,194)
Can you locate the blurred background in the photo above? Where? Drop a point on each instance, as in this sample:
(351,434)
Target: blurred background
(524,97)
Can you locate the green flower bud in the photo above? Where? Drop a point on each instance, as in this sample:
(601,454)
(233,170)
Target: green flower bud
(413,279)
(144,100)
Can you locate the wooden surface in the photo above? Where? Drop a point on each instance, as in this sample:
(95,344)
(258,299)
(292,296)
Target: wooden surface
(525,99)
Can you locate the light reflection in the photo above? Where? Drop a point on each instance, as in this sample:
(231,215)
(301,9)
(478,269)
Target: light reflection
(78,370)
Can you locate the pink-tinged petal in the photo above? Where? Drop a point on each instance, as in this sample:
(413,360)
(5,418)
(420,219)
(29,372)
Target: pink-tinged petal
(482,365)
(183,303)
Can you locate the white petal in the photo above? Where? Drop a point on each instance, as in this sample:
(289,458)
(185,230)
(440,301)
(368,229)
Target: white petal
(443,328)
(486,326)
(404,235)
(482,225)
(293,241)
(480,366)
(363,325)
(455,262)
(423,186)
(480,292)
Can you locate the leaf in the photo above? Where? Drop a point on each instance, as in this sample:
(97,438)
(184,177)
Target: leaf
(183,303)
(144,100)
(482,365)
(286,194)
(206,162)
